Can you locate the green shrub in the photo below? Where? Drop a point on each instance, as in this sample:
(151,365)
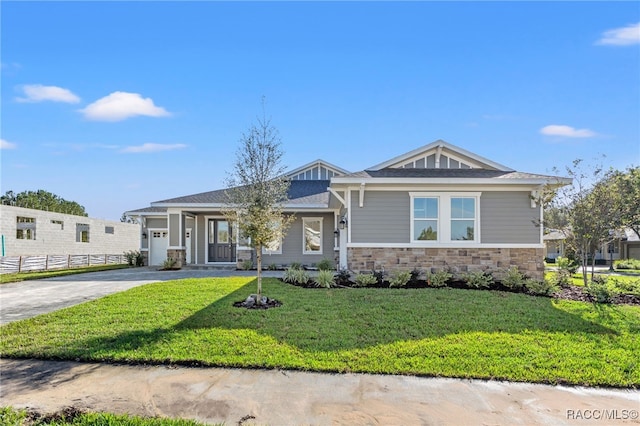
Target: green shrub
(325,265)
(379,275)
(295,265)
(627,264)
(364,280)
(513,279)
(246,265)
(566,264)
(438,278)
(295,276)
(625,286)
(134,258)
(399,278)
(477,279)
(170,263)
(272,267)
(324,279)
(601,290)
(540,288)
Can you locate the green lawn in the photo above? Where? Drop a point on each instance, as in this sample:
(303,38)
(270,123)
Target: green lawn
(38,275)
(15,417)
(433,332)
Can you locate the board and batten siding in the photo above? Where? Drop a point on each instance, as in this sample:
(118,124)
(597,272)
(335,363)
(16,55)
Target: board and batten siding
(505,217)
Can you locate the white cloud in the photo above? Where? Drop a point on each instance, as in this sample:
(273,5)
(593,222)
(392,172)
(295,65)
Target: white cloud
(566,131)
(623,36)
(122,105)
(4,144)
(153,147)
(40,93)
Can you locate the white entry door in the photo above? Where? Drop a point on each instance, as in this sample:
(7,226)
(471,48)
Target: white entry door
(158,247)
(187,241)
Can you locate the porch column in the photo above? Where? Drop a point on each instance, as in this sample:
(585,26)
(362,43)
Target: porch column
(176,228)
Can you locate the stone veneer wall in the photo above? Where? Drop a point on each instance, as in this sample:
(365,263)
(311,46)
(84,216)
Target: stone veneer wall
(528,260)
(180,255)
(242,256)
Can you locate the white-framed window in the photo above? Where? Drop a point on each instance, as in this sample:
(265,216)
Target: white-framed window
(25,228)
(441,217)
(312,235)
(274,246)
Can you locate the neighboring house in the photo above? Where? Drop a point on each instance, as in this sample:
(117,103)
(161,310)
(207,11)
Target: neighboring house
(437,206)
(625,245)
(29,232)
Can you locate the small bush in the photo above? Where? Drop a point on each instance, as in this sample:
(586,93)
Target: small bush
(365,280)
(272,267)
(566,264)
(295,265)
(325,265)
(295,276)
(415,276)
(324,279)
(601,290)
(477,279)
(438,278)
(170,263)
(513,279)
(247,265)
(343,277)
(627,264)
(540,288)
(379,275)
(399,278)
(134,258)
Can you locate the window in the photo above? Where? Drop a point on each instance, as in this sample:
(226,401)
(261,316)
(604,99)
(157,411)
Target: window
(274,246)
(444,217)
(108,230)
(25,228)
(82,233)
(463,218)
(58,222)
(312,235)
(425,218)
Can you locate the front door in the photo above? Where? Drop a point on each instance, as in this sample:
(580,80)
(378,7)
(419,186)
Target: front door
(221,247)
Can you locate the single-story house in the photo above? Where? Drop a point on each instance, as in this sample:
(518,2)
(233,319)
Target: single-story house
(624,245)
(434,207)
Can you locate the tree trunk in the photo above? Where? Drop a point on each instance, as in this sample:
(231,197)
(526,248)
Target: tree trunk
(259,267)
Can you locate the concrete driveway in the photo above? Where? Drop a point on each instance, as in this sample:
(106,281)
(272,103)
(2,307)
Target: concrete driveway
(27,299)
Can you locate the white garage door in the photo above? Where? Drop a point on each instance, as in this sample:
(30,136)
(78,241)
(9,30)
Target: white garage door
(158,247)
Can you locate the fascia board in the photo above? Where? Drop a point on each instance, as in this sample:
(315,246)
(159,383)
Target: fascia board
(448,181)
(219,206)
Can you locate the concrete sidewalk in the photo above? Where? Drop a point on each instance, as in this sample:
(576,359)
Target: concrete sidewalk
(274,397)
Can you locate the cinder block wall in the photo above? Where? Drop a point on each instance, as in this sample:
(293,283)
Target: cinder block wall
(54,239)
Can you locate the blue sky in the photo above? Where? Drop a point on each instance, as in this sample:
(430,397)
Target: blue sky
(116,105)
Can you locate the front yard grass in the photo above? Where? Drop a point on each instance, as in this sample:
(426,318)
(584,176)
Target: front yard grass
(38,275)
(431,332)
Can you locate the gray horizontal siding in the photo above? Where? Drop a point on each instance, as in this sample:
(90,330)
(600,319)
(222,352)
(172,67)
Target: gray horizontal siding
(507,217)
(292,245)
(384,218)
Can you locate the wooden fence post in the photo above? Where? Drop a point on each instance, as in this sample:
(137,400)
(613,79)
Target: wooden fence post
(19,264)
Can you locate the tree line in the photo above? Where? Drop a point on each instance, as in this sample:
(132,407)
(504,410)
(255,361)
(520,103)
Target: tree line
(42,200)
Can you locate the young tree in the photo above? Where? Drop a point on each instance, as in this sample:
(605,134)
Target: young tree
(586,212)
(257,190)
(626,186)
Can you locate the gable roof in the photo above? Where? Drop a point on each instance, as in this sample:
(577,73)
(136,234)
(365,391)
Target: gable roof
(322,169)
(301,193)
(439,148)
